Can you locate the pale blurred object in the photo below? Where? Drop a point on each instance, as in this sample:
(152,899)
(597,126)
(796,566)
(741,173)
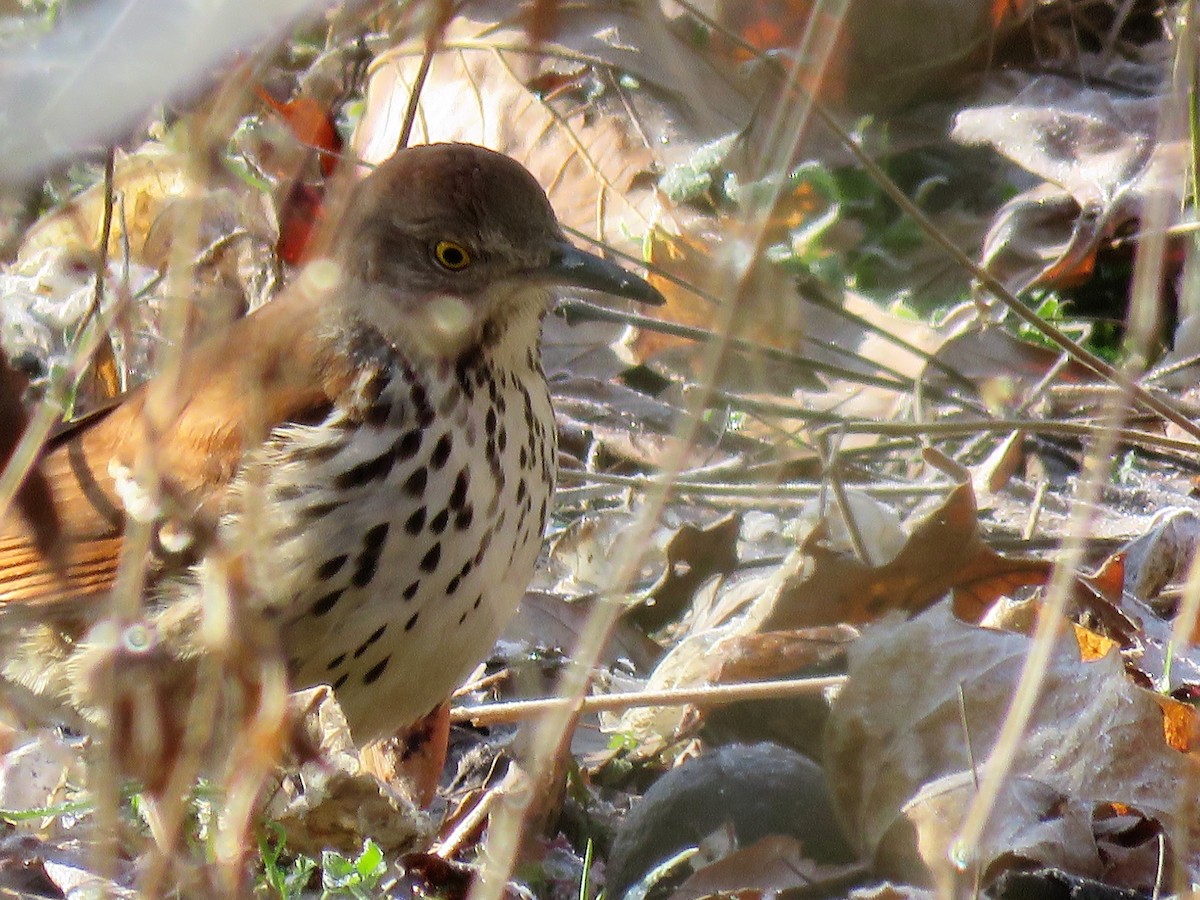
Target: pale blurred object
(107,64)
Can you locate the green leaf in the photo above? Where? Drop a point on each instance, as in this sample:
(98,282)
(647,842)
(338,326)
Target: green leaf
(370,862)
(690,179)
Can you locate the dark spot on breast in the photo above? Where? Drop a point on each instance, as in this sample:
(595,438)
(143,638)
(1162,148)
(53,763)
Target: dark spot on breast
(378,413)
(372,674)
(441,452)
(319,510)
(331,567)
(458,496)
(502,439)
(335,662)
(322,453)
(375,635)
(368,559)
(449,401)
(366,472)
(462,373)
(412,620)
(439,522)
(478,600)
(408,445)
(429,562)
(341,680)
(326,603)
(415,485)
(289,492)
(453,585)
(523,459)
(483,545)
(411,590)
(463,520)
(489,423)
(416,521)
(521,490)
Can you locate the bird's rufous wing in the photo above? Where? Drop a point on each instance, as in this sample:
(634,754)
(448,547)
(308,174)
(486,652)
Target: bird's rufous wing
(268,369)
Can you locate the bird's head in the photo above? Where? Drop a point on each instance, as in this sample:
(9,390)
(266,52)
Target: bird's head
(448,245)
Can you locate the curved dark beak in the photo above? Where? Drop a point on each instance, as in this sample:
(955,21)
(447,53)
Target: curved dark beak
(573,267)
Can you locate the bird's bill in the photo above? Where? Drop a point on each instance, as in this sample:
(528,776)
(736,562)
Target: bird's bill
(573,267)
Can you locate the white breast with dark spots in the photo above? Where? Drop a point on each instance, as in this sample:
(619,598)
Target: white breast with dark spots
(402,544)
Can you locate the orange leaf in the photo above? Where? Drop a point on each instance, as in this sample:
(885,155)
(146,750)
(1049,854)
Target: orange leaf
(1092,646)
(312,124)
(1179,724)
(300,216)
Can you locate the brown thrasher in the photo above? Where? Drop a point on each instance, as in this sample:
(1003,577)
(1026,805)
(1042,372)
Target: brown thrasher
(375,448)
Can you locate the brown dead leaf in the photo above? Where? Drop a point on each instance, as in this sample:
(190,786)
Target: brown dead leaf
(695,258)
(1159,557)
(772,864)
(1032,826)
(779,654)
(694,555)
(919,690)
(1003,368)
(944,553)
(146,179)
(1100,156)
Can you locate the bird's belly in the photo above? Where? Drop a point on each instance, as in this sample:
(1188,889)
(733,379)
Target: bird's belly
(397,583)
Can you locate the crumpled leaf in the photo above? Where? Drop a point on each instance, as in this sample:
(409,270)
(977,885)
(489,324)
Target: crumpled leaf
(944,552)
(913,688)
(1098,153)
(1033,825)
(331,800)
(772,864)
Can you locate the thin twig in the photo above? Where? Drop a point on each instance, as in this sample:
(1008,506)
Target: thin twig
(579,311)
(414,98)
(105,233)
(708,695)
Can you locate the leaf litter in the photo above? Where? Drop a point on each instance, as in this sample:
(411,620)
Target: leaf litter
(799,530)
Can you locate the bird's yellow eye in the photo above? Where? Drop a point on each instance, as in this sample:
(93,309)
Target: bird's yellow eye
(451,255)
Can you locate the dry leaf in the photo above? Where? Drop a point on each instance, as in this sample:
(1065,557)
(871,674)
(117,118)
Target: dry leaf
(919,690)
(944,552)
(1103,163)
